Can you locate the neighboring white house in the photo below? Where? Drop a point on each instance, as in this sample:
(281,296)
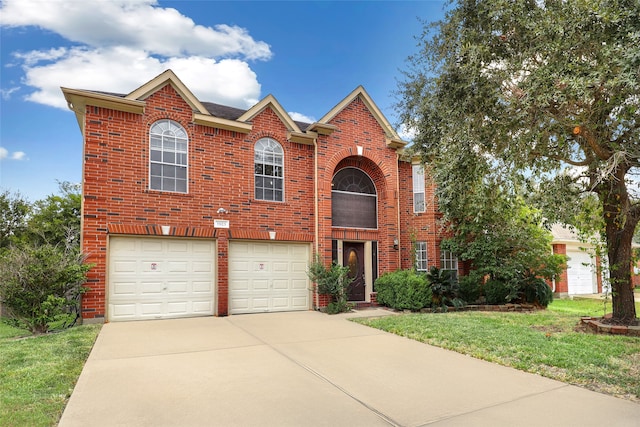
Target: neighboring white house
(581,276)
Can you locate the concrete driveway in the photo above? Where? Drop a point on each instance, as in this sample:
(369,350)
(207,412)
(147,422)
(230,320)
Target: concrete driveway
(311,369)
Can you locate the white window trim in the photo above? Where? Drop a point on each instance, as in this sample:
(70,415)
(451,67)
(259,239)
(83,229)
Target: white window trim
(273,141)
(176,125)
(417,175)
(421,248)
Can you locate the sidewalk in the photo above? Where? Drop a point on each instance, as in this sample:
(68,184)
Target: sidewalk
(311,369)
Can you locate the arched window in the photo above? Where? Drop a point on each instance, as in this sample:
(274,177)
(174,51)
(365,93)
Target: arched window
(354,201)
(269,170)
(168,156)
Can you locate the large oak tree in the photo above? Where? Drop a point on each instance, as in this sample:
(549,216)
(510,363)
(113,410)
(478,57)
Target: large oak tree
(544,91)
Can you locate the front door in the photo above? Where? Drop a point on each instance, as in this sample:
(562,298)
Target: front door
(354,259)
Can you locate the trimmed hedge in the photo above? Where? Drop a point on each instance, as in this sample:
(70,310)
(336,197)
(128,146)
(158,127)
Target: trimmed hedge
(403,290)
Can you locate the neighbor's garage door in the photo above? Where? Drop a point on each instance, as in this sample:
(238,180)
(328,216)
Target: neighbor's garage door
(268,276)
(580,275)
(158,278)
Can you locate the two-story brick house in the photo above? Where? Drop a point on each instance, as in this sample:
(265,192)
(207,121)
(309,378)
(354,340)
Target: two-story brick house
(193,208)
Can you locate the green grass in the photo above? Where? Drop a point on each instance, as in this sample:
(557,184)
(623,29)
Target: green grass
(545,342)
(38,373)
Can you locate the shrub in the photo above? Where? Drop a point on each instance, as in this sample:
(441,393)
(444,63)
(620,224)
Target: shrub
(496,291)
(444,288)
(403,290)
(39,284)
(536,291)
(332,281)
(470,287)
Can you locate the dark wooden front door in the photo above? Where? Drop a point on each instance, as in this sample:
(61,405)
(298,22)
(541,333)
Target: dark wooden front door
(353,253)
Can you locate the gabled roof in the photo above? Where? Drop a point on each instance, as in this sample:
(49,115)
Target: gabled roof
(222,116)
(152,86)
(392,137)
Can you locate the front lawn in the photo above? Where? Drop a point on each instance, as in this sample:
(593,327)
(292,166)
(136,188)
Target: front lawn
(38,373)
(544,342)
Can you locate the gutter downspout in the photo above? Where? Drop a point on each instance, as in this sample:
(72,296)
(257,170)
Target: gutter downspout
(315,211)
(398,206)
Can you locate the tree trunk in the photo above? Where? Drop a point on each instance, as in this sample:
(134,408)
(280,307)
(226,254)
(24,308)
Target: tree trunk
(620,226)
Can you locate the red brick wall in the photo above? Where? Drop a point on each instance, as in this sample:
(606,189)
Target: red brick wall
(117,199)
(419,227)
(562,282)
(358,127)
(116,190)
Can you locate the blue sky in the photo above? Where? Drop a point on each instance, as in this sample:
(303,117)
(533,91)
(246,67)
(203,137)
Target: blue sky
(309,55)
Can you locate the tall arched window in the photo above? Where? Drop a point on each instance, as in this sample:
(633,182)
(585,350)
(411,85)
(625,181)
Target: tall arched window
(269,170)
(354,202)
(168,156)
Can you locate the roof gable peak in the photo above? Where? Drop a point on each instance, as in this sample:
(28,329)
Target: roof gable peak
(272,102)
(160,81)
(393,139)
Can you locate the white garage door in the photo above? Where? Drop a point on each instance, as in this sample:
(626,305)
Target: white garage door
(158,278)
(268,276)
(580,275)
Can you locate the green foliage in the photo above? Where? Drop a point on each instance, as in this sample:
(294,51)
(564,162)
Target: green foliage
(444,288)
(56,219)
(403,290)
(496,291)
(40,284)
(332,281)
(14,213)
(501,106)
(503,238)
(536,291)
(470,287)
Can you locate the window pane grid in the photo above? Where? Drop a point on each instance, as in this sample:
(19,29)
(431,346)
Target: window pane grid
(448,261)
(168,157)
(268,170)
(418,188)
(421,256)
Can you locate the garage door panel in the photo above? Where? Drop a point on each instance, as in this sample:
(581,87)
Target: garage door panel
(580,274)
(299,285)
(151,309)
(153,278)
(177,307)
(202,286)
(279,284)
(264,276)
(299,303)
(151,287)
(177,267)
(151,245)
(124,288)
(202,267)
(260,285)
(125,266)
(177,287)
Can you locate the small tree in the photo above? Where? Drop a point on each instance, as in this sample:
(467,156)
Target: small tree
(38,284)
(14,213)
(332,281)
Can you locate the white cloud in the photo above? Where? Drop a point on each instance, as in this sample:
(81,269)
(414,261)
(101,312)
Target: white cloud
(6,93)
(16,155)
(138,24)
(125,43)
(299,117)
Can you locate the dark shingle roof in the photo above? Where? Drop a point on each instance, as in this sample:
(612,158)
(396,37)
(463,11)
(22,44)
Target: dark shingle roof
(216,110)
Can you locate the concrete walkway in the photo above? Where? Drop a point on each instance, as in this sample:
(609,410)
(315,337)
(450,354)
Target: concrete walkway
(311,369)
